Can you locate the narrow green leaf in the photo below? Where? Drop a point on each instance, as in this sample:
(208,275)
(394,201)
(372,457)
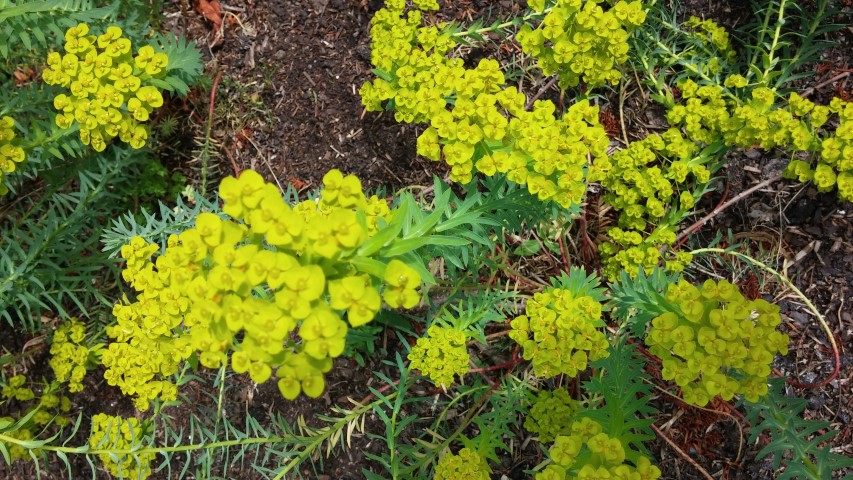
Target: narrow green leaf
(405,246)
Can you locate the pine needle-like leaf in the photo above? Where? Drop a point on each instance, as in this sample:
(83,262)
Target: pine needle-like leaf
(637,300)
(185,64)
(623,389)
(42,23)
(803,445)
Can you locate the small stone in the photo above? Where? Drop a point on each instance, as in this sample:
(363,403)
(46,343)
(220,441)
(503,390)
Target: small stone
(799,317)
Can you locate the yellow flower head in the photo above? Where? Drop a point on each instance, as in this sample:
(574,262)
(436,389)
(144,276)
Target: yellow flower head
(99,70)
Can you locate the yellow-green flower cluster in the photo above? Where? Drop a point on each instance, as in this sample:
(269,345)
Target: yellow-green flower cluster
(590,454)
(48,409)
(632,250)
(715,38)
(710,32)
(17,388)
(467,464)
(559,332)
(440,355)
(51,406)
(475,122)
(707,115)
(419,75)
(551,415)
(69,354)
(648,183)
(115,433)
(144,349)
(546,154)
(643,179)
(300,373)
(716,342)
(247,284)
(10,153)
(580,41)
(110,91)
(835,165)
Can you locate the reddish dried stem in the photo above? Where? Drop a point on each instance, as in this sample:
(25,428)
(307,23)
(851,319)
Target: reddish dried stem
(500,366)
(716,211)
(681,452)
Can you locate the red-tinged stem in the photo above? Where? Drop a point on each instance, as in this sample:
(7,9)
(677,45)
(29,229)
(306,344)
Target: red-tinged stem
(500,366)
(563,253)
(696,226)
(382,389)
(681,452)
(716,211)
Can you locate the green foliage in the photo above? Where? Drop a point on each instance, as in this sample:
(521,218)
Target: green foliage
(619,398)
(551,414)
(156,183)
(497,422)
(55,263)
(185,66)
(636,299)
(785,37)
(559,331)
(155,226)
(34,24)
(361,342)
(580,284)
(782,38)
(439,231)
(798,443)
(270,284)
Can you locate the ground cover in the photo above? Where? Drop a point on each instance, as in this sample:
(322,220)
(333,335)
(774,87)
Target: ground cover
(282,98)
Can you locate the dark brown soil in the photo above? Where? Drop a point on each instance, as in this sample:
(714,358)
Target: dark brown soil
(288,104)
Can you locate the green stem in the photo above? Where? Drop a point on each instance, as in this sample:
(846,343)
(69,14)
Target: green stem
(319,439)
(760,40)
(87,450)
(472,412)
(777,34)
(458,36)
(315,441)
(687,66)
(821,9)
